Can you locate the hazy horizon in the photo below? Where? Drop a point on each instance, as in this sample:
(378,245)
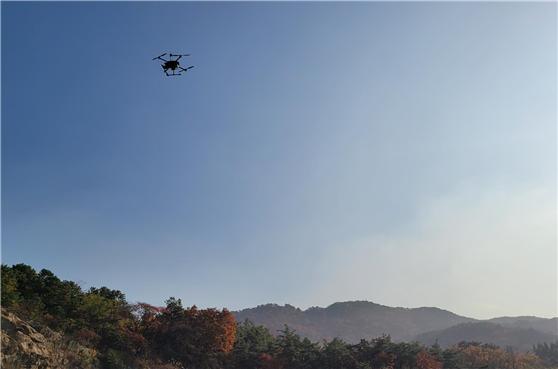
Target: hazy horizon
(400,153)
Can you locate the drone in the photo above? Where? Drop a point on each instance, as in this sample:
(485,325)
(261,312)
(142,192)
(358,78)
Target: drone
(173,65)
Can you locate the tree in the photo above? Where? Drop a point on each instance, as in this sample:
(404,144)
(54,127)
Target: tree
(337,354)
(294,353)
(29,292)
(548,352)
(424,360)
(10,294)
(61,301)
(376,354)
(195,338)
(254,347)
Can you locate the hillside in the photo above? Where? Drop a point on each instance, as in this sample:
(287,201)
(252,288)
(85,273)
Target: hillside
(504,336)
(545,325)
(353,320)
(23,346)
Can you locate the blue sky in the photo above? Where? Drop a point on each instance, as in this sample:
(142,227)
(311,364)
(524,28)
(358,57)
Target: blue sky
(402,153)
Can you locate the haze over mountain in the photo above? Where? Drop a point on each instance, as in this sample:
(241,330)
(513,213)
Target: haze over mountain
(354,320)
(504,336)
(549,326)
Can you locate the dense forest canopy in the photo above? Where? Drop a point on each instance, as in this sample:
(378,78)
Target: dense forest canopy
(125,335)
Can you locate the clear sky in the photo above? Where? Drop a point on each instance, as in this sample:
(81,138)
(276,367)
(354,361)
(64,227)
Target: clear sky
(402,153)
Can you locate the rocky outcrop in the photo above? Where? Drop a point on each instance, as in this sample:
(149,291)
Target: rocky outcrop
(25,347)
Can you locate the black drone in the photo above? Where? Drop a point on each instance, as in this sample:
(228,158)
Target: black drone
(173,65)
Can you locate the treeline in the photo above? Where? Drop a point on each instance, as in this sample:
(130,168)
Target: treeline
(124,335)
(140,336)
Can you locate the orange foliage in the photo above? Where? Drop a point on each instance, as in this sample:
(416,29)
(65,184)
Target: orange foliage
(427,361)
(218,327)
(477,355)
(526,361)
(269,362)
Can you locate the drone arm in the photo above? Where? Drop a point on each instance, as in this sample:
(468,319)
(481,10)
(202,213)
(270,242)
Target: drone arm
(159,57)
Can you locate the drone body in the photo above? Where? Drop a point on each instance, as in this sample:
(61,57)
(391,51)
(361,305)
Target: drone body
(173,65)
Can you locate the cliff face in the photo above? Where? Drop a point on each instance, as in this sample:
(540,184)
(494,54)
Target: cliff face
(24,347)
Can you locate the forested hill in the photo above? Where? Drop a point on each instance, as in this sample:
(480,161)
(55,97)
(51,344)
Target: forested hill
(352,320)
(505,336)
(549,326)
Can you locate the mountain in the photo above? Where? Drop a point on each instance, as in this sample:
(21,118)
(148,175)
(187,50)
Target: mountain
(352,320)
(545,325)
(488,332)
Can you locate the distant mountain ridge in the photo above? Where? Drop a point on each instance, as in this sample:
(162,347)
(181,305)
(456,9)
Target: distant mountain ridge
(544,325)
(355,320)
(352,320)
(521,339)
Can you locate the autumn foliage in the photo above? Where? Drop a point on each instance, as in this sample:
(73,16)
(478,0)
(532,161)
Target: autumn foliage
(426,361)
(476,355)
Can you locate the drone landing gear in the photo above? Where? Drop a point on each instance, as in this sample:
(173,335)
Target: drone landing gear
(171,74)
(186,69)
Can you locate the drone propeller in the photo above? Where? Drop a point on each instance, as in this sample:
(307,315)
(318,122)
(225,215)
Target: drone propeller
(186,69)
(159,57)
(179,55)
